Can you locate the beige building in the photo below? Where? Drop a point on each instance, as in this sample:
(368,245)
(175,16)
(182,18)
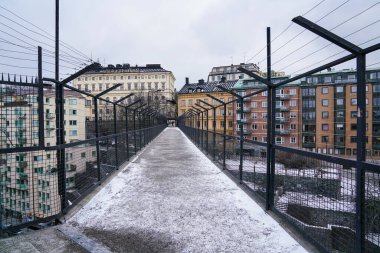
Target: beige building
(144,81)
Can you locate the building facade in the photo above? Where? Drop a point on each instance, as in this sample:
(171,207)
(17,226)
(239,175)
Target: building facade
(150,82)
(231,72)
(287,125)
(29,180)
(191,93)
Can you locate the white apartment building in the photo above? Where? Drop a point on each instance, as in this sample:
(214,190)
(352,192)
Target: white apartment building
(150,80)
(231,72)
(29,180)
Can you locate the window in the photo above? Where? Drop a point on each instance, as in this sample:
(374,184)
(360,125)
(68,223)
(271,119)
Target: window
(353,127)
(292,92)
(340,114)
(263,104)
(72,122)
(293,126)
(254,115)
(279,140)
(325,102)
(163,85)
(325,115)
(73,133)
(264,93)
(325,139)
(354,101)
(327,79)
(190,102)
(254,126)
(339,89)
(88,102)
(264,126)
(293,140)
(254,138)
(354,89)
(325,127)
(72,112)
(254,104)
(83,155)
(325,90)
(354,114)
(376,87)
(339,127)
(351,77)
(72,101)
(293,103)
(183,102)
(372,76)
(264,115)
(339,101)
(293,115)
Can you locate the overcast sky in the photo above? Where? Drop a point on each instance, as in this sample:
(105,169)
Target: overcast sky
(190,37)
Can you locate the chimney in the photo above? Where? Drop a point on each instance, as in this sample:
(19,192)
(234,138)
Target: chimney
(186,80)
(223,79)
(201,81)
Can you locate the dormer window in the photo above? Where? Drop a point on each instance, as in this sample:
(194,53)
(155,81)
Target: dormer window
(199,89)
(190,90)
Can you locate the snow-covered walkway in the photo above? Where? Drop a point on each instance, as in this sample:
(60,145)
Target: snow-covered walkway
(171,198)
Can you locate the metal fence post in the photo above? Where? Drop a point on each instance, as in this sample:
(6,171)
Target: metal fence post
(224,135)
(361,153)
(214,133)
(127,134)
(271,114)
(115,131)
(241,100)
(97,137)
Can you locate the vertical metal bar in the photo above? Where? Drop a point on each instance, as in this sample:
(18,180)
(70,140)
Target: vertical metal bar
(271,117)
(114,131)
(241,100)
(361,153)
(60,135)
(97,138)
(224,135)
(214,133)
(206,131)
(134,129)
(202,131)
(127,134)
(41,121)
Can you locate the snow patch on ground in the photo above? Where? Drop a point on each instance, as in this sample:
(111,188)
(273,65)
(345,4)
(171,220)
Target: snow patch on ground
(173,197)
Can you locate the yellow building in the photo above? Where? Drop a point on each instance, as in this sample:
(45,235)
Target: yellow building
(191,93)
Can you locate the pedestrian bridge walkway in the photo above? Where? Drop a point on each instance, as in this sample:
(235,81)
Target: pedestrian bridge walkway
(172,198)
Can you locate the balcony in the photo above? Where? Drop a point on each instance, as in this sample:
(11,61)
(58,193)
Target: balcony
(245,110)
(22,186)
(4,182)
(282,108)
(282,96)
(23,176)
(308,145)
(50,116)
(282,120)
(245,131)
(21,116)
(244,121)
(282,132)
(22,164)
(21,140)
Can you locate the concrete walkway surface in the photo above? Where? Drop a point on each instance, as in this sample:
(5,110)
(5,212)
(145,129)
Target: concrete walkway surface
(172,198)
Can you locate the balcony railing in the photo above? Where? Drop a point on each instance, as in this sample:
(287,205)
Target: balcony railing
(21,140)
(22,186)
(282,108)
(23,176)
(245,109)
(50,116)
(282,132)
(245,131)
(244,121)
(282,96)
(22,164)
(282,120)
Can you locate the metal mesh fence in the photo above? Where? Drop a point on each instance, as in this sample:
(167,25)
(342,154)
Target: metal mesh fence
(39,180)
